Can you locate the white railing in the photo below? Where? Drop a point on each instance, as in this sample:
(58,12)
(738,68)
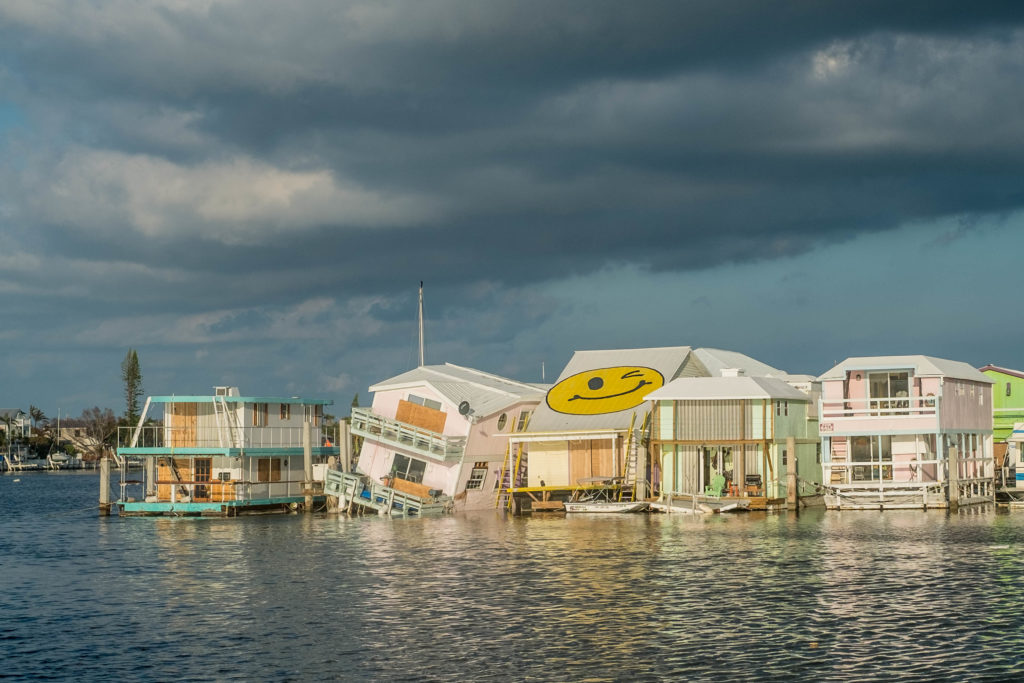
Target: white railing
(887,406)
(160,436)
(909,472)
(370,425)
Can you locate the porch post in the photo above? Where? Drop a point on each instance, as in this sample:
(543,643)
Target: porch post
(345,444)
(150,477)
(104,486)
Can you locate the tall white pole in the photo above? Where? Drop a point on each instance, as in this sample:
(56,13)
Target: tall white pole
(422,362)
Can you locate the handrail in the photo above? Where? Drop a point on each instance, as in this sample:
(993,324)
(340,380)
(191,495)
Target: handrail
(211,436)
(369,424)
(879,406)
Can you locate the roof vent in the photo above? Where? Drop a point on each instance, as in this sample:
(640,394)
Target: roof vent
(732,372)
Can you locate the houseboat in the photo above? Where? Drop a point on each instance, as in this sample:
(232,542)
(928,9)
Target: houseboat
(734,441)
(225,455)
(593,423)
(1007,415)
(441,431)
(906,432)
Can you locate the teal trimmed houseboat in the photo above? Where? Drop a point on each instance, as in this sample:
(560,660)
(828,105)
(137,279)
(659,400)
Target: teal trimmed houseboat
(225,455)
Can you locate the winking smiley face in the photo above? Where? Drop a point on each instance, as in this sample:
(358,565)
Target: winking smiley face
(605,390)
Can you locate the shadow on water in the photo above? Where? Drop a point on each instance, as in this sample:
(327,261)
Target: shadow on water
(823,595)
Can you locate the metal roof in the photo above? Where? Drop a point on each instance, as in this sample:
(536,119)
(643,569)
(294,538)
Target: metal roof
(721,388)
(1004,371)
(716,360)
(486,393)
(667,360)
(923,366)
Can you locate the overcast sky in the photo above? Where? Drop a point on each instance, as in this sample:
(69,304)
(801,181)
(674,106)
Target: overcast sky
(249,192)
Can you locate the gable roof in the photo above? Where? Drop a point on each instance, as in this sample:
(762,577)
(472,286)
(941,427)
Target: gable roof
(486,393)
(923,366)
(721,388)
(667,360)
(1005,371)
(716,360)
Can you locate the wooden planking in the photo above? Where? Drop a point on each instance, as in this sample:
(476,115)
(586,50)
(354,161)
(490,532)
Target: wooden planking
(164,474)
(421,416)
(591,458)
(183,420)
(410,487)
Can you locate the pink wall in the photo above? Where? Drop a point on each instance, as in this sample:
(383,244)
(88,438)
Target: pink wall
(386,403)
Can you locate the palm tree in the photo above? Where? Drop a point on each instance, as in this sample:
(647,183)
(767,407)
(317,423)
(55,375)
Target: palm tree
(39,418)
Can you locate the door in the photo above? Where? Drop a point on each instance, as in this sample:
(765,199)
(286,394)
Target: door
(201,476)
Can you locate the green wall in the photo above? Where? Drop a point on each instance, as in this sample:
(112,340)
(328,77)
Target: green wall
(1006,409)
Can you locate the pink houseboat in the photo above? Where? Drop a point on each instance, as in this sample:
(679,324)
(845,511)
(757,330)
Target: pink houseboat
(906,432)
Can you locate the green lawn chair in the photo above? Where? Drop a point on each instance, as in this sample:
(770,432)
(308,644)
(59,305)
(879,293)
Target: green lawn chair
(717,486)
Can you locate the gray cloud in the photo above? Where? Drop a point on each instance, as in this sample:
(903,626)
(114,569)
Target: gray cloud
(186,174)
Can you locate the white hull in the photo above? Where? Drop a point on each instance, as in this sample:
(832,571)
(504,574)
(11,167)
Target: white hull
(606,506)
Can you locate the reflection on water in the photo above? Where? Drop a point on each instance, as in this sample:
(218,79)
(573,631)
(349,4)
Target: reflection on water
(821,596)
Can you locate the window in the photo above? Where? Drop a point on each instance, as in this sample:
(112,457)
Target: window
(313,414)
(524,420)
(785,459)
(817,455)
(286,411)
(428,402)
(786,408)
(268,469)
(503,419)
(1007,388)
(872,458)
(408,468)
(778,408)
(477,476)
(886,385)
(260,413)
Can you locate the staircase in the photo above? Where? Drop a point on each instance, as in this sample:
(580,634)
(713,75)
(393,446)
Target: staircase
(176,475)
(228,429)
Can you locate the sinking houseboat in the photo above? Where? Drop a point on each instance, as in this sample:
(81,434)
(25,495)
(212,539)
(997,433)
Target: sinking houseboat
(225,455)
(906,432)
(439,431)
(728,442)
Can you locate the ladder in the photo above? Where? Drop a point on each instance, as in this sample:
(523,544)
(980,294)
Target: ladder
(513,472)
(627,491)
(227,424)
(173,467)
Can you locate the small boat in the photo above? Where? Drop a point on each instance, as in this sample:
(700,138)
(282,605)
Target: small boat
(600,495)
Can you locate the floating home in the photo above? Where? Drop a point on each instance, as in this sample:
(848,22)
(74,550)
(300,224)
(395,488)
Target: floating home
(906,432)
(442,430)
(728,442)
(226,455)
(1007,415)
(594,420)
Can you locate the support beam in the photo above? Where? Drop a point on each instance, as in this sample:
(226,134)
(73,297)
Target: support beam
(792,491)
(104,486)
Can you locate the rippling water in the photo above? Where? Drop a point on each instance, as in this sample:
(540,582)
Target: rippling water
(820,596)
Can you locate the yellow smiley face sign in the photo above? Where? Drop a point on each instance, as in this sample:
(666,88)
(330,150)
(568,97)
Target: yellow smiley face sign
(605,390)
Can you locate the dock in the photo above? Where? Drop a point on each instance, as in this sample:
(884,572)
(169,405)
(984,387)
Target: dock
(357,493)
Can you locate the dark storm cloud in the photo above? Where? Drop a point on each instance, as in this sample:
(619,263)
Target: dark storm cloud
(235,161)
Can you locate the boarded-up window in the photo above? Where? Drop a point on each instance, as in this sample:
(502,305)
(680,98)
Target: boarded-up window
(268,469)
(591,458)
(421,416)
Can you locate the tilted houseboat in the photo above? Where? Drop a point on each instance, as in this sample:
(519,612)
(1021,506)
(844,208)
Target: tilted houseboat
(226,454)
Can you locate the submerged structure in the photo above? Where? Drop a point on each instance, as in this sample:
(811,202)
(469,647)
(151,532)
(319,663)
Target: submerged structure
(226,454)
(438,431)
(906,431)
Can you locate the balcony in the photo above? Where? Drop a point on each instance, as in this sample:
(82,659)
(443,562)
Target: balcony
(370,425)
(222,438)
(878,415)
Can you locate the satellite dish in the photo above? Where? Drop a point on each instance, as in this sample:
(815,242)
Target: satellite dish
(464,408)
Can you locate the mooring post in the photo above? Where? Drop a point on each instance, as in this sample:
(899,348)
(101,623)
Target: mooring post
(104,486)
(345,444)
(953,486)
(307,461)
(792,491)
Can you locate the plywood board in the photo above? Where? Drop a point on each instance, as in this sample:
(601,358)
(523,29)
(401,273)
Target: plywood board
(421,416)
(183,419)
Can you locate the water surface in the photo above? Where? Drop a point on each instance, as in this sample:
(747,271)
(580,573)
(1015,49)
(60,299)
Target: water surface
(820,596)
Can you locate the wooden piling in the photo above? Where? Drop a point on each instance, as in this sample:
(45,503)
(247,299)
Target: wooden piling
(792,491)
(104,486)
(307,461)
(953,485)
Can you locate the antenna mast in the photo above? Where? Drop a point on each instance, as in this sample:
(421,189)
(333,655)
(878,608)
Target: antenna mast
(421,324)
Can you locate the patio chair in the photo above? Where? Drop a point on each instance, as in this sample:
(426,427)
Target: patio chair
(716,487)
